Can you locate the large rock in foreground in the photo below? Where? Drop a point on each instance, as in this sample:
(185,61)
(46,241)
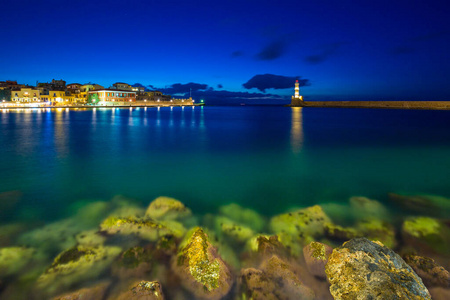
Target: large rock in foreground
(201,270)
(361,269)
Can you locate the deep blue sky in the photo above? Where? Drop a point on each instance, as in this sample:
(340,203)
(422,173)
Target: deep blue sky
(345,49)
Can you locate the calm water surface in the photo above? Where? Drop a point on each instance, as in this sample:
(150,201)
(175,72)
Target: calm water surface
(266,158)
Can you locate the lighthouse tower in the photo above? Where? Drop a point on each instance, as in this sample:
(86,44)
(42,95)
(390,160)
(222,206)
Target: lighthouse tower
(297,99)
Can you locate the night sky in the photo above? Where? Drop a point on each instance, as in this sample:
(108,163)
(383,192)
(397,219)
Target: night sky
(234,51)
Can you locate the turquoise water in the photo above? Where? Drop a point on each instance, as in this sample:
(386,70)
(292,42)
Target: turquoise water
(266,158)
(55,162)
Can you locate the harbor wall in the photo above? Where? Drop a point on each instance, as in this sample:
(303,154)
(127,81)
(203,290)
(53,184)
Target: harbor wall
(375,104)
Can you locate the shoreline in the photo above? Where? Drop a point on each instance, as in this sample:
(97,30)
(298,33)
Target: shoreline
(100,106)
(419,105)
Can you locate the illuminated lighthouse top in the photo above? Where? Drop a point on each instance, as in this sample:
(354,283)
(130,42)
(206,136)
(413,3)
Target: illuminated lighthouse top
(297,92)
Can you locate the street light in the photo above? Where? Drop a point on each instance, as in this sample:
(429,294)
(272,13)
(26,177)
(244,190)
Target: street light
(145,100)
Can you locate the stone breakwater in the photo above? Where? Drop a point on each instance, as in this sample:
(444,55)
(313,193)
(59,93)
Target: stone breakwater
(438,105)
(118,250)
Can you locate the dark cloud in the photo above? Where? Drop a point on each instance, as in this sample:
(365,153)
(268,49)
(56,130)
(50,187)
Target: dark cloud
(271,81)
(237,54)
(326,51)
(272,51)
(183,88)
(430,36)
(219,86)
(229,97)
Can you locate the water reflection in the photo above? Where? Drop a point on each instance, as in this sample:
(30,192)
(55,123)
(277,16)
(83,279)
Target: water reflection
(296,129)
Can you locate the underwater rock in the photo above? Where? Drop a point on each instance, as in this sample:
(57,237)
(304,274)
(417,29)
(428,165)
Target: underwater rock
(89,293)
(337,232)
(9,232)
(143,290)
(166,208)
(273,280)
(91,238)
(136,262)
(430,205)
(146,229)
(14,259)
(440,293)
(297,229)
(431,273)
(364,208)
(76,265)
(244,216)
(54,237)
(361,269)
(427,234)
(378,230)
(201,270)
(232,230)
(339,213)
(89,213)
(316,257)
(268,246)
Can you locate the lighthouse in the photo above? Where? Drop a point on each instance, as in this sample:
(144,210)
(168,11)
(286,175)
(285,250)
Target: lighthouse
(297,99)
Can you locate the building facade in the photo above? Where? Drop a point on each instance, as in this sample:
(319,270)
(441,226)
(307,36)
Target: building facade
(26,95)
(111,97)
(122,86)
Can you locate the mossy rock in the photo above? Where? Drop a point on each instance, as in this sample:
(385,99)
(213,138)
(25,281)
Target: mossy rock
(76,265)
(90,238)
(364,208)
(98,291)
(378,230)
(431,273)
(148,290)
(339,233)
(431,205)
(166,208)
(362,269)
(428,233)
(14,259)
(234,231)
(201,269)
(136,262)
(244,216)
(146,229)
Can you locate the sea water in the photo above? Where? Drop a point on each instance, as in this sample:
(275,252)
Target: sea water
(271,159)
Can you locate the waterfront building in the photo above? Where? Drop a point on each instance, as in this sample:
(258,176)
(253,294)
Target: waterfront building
(58,84)
(138,89)
(154,96)
(111,97)
(122,86)
(28,94)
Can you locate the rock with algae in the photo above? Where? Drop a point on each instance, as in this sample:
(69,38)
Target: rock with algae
(339,233)
(361,269)
(143,290)
(233,231)
(375,229)
(316,257)
(135,262)
(201,270)
(274,279)
(95,292)
(431,273)
(364,208)
(431,205)
(427,234)
(76,265)
(14,259)
(166,208)
(146,229)
(297,229)
(244,216)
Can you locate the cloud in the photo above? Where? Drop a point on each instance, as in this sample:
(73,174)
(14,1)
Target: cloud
(271,81)
(430,36)
(237,54)
(219,86)
(326,51)
(211,96)
(272,51)
(180,88)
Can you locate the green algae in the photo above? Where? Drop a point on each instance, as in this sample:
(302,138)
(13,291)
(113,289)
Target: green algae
(166,208)
(143,228)
(244,216)
(14,259)
(422,226)
(318,251)
(195,254)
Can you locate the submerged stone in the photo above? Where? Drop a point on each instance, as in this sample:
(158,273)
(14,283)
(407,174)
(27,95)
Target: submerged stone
(14,259)
(337,232)
(244,216)
(166,208)
(89,293)
(364,208)
(431,273)
(135,262)
(201,269)
(427,233)
(232,230)
(75,265)
(91,238)
(361,269)
(316,257)
(274,280)
(378,230)
(143,290)
(146,229)
(431,205)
